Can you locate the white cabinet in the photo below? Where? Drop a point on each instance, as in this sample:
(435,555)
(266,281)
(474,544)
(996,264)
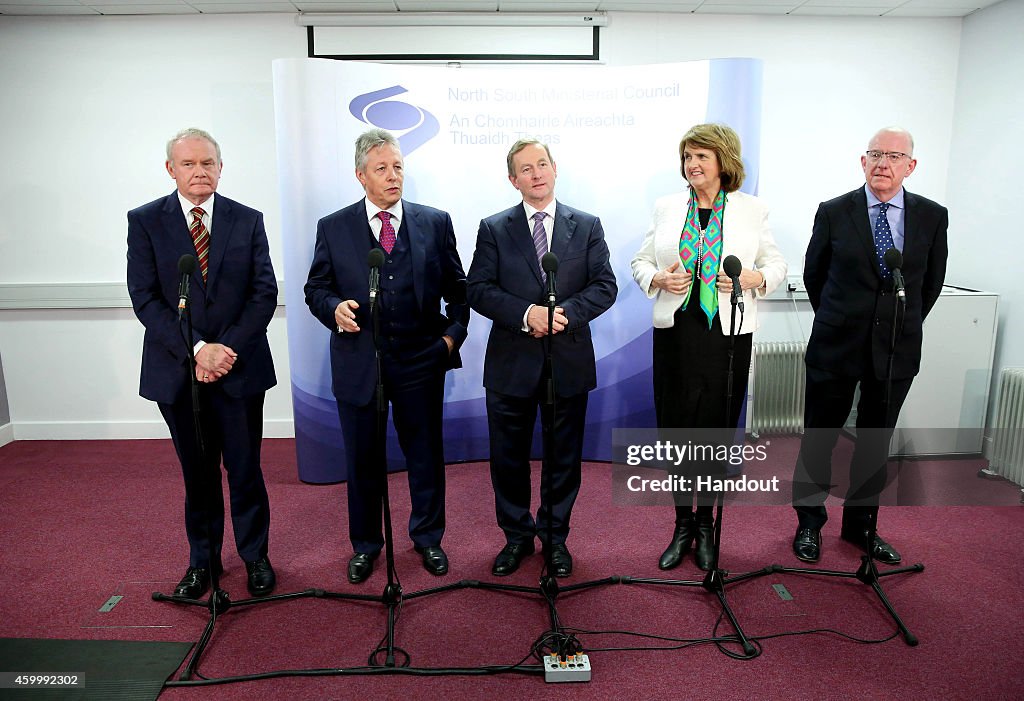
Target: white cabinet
(944,414)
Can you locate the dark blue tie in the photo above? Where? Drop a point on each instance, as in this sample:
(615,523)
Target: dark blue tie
(883,239)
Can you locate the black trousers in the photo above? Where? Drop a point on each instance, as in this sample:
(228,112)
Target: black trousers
(232,431)
(414,389)
(690,368)
(510,421)
(828,401)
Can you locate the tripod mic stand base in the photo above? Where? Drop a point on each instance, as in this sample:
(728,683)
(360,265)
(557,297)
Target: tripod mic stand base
(549,587)
(218,603)
(868,574)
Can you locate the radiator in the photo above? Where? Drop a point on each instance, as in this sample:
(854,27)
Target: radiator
(1007,458)
(777,387)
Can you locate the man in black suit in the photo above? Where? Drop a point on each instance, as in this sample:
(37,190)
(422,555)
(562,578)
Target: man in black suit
(419,344)
(852,291)
(233,298)
(506,284)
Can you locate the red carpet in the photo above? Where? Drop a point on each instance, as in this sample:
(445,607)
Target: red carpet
(82,521)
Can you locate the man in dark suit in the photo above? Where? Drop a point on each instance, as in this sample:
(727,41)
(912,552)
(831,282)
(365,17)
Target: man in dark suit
(233,298)
(418,344)
(506,284)
(852,291)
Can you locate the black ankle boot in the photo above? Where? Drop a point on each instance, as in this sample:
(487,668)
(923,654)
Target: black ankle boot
(682,539)
(704,525)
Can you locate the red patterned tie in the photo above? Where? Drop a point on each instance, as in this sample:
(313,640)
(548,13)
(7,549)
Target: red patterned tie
(387,232)
(201,239)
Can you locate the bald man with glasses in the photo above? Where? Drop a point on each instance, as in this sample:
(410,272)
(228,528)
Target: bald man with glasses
(851,288)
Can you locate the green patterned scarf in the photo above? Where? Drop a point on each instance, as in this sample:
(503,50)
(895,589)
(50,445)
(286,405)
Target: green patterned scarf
(689,245)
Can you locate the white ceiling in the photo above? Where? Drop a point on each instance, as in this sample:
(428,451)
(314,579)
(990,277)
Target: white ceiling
(849,8)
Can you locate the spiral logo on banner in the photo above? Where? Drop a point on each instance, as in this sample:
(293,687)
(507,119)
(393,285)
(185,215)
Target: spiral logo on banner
(374,108)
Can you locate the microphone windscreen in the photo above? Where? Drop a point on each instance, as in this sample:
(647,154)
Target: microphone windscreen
(549,263)
(893,259)
(187,264)
(732,266)
(375,259)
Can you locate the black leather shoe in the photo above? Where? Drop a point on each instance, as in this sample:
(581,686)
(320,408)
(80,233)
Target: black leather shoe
(682,539)
(261,577)
(807,544)
(434,559)
(882,551)
(561,560)
(509,558)
(704,553)
(194,584)
(361,566)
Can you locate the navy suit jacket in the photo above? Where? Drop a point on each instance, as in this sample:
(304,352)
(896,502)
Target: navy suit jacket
(340,271)
(234,306)
(853,305)
(505,279)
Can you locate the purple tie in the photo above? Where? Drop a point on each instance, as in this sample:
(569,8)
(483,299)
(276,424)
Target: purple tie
(387,232)
(540,241)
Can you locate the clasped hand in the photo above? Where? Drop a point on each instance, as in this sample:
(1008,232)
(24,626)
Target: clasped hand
(214,361)
(537,321)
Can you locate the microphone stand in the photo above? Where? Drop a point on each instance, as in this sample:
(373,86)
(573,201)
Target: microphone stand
(392,596)
(716,579)
(548,587)
(868,572)
(548,583)
(203,489)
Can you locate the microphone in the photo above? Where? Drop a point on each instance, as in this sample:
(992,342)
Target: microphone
(375,259)
(733,267)
(186,266)
(549,264)
(894,261)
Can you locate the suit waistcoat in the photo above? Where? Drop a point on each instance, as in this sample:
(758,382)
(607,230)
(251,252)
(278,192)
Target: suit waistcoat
(401,324)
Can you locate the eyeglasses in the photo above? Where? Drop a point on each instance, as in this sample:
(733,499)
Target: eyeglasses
(892,156)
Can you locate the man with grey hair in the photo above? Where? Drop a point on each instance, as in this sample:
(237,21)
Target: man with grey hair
(418,344)
(233,297)
(863,245)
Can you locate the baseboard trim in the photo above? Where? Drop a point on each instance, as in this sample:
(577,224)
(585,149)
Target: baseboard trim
(6,434)
(111,430)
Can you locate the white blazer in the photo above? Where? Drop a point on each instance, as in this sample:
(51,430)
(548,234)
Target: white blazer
(745,235)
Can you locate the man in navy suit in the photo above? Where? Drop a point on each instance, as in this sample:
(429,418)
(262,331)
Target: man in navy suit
(506,284)
(233,297)
(852,291)
(418,343)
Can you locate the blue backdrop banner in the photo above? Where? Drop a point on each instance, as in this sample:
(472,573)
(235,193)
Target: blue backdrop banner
(613,132)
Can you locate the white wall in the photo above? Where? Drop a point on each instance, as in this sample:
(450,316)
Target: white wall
(89,104)
(829,84)
(92,101)
(984,178)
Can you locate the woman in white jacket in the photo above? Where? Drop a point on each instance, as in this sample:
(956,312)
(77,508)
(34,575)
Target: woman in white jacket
(679,264)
